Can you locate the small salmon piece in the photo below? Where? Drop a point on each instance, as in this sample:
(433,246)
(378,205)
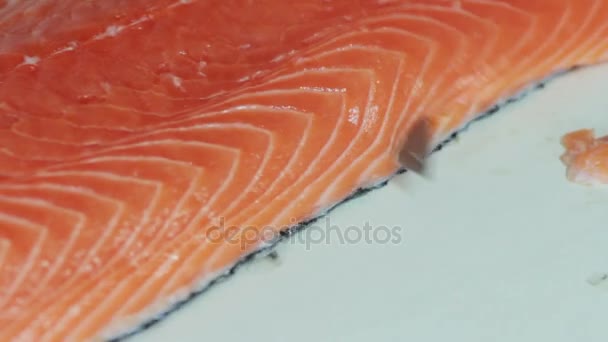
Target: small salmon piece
(586,157)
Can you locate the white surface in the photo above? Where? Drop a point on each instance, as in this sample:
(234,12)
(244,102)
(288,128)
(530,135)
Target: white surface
(497,246)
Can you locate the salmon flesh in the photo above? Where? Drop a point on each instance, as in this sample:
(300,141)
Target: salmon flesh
(139,138)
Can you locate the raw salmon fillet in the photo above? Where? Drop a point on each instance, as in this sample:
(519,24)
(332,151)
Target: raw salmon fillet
(586,157)
(143,142)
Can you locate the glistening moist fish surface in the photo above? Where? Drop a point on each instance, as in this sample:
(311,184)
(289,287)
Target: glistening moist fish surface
(286,234)
(130,128)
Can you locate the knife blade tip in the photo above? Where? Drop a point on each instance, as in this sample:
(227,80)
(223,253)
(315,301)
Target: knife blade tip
(413,152)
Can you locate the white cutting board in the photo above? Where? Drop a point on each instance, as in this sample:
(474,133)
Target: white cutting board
(497,246)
